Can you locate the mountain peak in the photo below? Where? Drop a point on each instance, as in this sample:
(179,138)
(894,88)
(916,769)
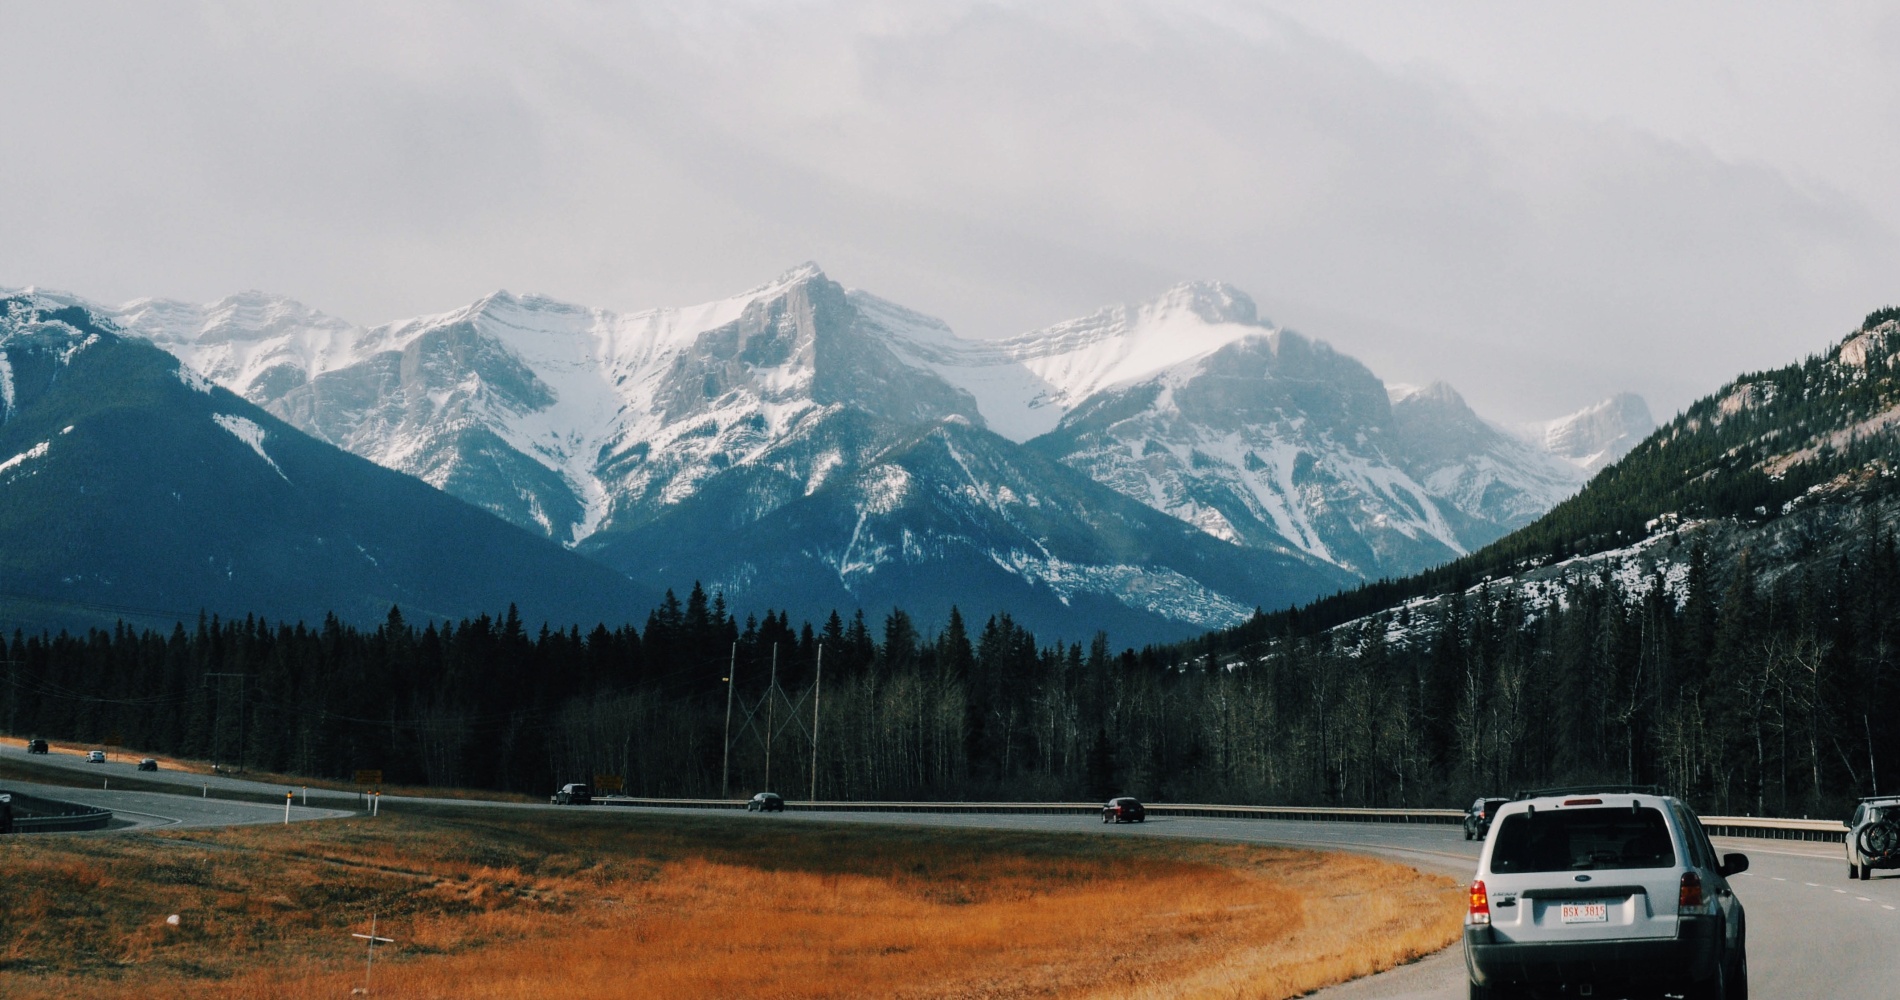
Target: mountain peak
(1213,301)
(1598,434)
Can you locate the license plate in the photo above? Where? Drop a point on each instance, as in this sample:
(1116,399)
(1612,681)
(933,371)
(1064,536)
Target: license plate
(1584,913)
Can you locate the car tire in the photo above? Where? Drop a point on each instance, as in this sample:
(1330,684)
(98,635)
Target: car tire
(1738,978)
(1492,992)
(1713,988)
(1866,872)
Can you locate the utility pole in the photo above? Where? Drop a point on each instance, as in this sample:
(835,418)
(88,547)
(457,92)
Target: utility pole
(817,690)
(217,717)
(771,716)
(725,756)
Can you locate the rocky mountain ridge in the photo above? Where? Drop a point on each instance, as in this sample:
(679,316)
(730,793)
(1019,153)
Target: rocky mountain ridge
(595,428)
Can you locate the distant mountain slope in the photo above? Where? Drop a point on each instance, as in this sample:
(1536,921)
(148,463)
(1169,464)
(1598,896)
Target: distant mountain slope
(957,515)
(1597,435)
(589,426)
(1776,463)
(129,481)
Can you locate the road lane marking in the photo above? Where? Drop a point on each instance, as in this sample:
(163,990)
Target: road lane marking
(1811,885)
(1863,899)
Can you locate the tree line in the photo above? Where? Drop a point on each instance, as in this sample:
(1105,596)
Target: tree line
(1746,694)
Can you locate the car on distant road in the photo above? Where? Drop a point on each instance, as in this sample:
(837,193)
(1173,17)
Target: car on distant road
(1124,810)
(1604,891)
(1478,817)
(148,764)
(96,757)
(766,802)
(6,813)
(35,746)
(572,794)
(1873,836)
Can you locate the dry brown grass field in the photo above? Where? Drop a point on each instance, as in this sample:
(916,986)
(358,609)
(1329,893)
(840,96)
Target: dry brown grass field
(590,903)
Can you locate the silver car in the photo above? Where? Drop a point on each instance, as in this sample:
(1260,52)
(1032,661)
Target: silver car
(1608,892)
(1873,836)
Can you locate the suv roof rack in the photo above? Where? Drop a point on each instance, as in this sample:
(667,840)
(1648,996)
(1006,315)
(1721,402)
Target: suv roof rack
(1879,798)
(1538,793)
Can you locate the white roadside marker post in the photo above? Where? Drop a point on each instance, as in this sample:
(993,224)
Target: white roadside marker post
(372,941)
(286,807)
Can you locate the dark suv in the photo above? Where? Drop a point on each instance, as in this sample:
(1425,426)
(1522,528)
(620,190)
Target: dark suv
(574,794)
(1124,810)
(1478,817)
(35,746)
(1873,836)
(766,802)
(1603,892)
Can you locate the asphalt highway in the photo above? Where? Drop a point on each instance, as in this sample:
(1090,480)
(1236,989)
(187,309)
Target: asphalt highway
(149,810)
(1813,933)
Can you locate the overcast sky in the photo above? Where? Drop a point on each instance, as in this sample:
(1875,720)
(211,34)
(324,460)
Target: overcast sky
(1539,203)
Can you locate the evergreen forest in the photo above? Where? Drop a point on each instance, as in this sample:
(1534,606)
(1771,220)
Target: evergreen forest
(1747,695)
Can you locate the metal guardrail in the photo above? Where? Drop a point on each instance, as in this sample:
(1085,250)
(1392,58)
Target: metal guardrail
(1823,830)
(33,814)
(1304,813)
(1717,826)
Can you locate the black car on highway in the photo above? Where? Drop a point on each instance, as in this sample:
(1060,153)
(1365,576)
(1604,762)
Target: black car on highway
(766,802)
(573,794)
(35,746)
(1123,809)
(1478,817)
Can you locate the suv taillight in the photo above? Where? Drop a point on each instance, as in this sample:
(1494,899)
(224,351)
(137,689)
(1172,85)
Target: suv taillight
(1690,898)
(1480,905)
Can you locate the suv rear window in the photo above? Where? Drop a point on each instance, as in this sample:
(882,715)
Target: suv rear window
(1559,840)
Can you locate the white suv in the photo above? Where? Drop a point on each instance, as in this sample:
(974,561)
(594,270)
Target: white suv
(1873,836)
(1607,892)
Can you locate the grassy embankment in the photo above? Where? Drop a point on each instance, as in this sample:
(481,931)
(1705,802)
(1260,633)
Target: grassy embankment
(593,904)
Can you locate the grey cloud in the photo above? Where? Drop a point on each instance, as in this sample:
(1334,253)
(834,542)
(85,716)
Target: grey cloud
(1000,165)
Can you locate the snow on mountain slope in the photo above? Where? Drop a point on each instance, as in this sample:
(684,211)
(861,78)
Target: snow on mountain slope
(1272,440)
(1596,435)
(550,415)
(256,345)
(589,426)
(1026,384)
(1498,480)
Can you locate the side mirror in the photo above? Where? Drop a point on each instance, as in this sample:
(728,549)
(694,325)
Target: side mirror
(1733,864)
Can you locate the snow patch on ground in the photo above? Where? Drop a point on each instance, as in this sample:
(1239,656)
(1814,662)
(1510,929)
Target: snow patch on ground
(192,379)
(1162,592)
(37,451)
(247,431)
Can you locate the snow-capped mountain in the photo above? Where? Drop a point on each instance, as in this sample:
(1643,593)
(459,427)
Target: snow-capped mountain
(1025,385)
(131,486)
(599,429)
(1596,435)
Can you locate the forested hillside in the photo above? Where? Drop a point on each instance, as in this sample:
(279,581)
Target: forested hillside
(1748,696)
